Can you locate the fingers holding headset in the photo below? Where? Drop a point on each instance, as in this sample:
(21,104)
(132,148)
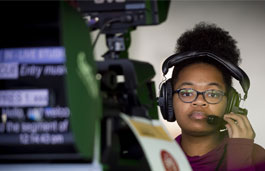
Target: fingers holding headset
(238,126)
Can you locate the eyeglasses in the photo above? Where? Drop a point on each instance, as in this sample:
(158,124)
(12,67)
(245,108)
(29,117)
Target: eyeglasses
(188,95)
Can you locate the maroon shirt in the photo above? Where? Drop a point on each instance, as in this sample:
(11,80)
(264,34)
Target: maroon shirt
(231,154)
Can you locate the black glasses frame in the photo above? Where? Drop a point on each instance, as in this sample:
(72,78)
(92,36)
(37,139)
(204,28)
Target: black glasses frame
(198,93)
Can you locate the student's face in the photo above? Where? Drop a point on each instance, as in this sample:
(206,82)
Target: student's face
(191,117)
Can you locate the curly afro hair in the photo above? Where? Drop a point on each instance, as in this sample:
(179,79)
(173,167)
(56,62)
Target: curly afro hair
(208,37)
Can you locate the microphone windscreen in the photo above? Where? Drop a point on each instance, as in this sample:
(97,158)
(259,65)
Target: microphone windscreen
(213,120)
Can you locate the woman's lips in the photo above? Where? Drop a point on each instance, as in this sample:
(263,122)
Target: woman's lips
(197,115)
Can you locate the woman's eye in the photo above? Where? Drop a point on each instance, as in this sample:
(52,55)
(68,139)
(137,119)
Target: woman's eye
(186,94)
(214,94)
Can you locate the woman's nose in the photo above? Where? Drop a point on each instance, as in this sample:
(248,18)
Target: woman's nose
(200,101)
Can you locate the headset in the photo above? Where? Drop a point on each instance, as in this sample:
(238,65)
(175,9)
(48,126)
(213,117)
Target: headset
(165,99)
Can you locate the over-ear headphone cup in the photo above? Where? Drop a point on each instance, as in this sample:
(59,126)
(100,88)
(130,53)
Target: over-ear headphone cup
(165,101)
(162,100)
(170,110)
(233,99)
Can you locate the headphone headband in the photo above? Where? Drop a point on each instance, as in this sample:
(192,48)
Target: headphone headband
(235,71)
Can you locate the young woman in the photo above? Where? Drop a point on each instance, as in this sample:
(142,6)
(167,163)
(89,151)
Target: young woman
(199,88)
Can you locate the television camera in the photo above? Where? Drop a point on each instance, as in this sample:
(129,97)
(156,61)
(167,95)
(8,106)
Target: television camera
(126,84)
(58,46)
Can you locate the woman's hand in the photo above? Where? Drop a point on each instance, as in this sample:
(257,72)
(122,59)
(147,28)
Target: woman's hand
(238,126)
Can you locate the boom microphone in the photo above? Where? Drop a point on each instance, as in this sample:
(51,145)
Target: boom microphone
(216,120)
(213,120)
